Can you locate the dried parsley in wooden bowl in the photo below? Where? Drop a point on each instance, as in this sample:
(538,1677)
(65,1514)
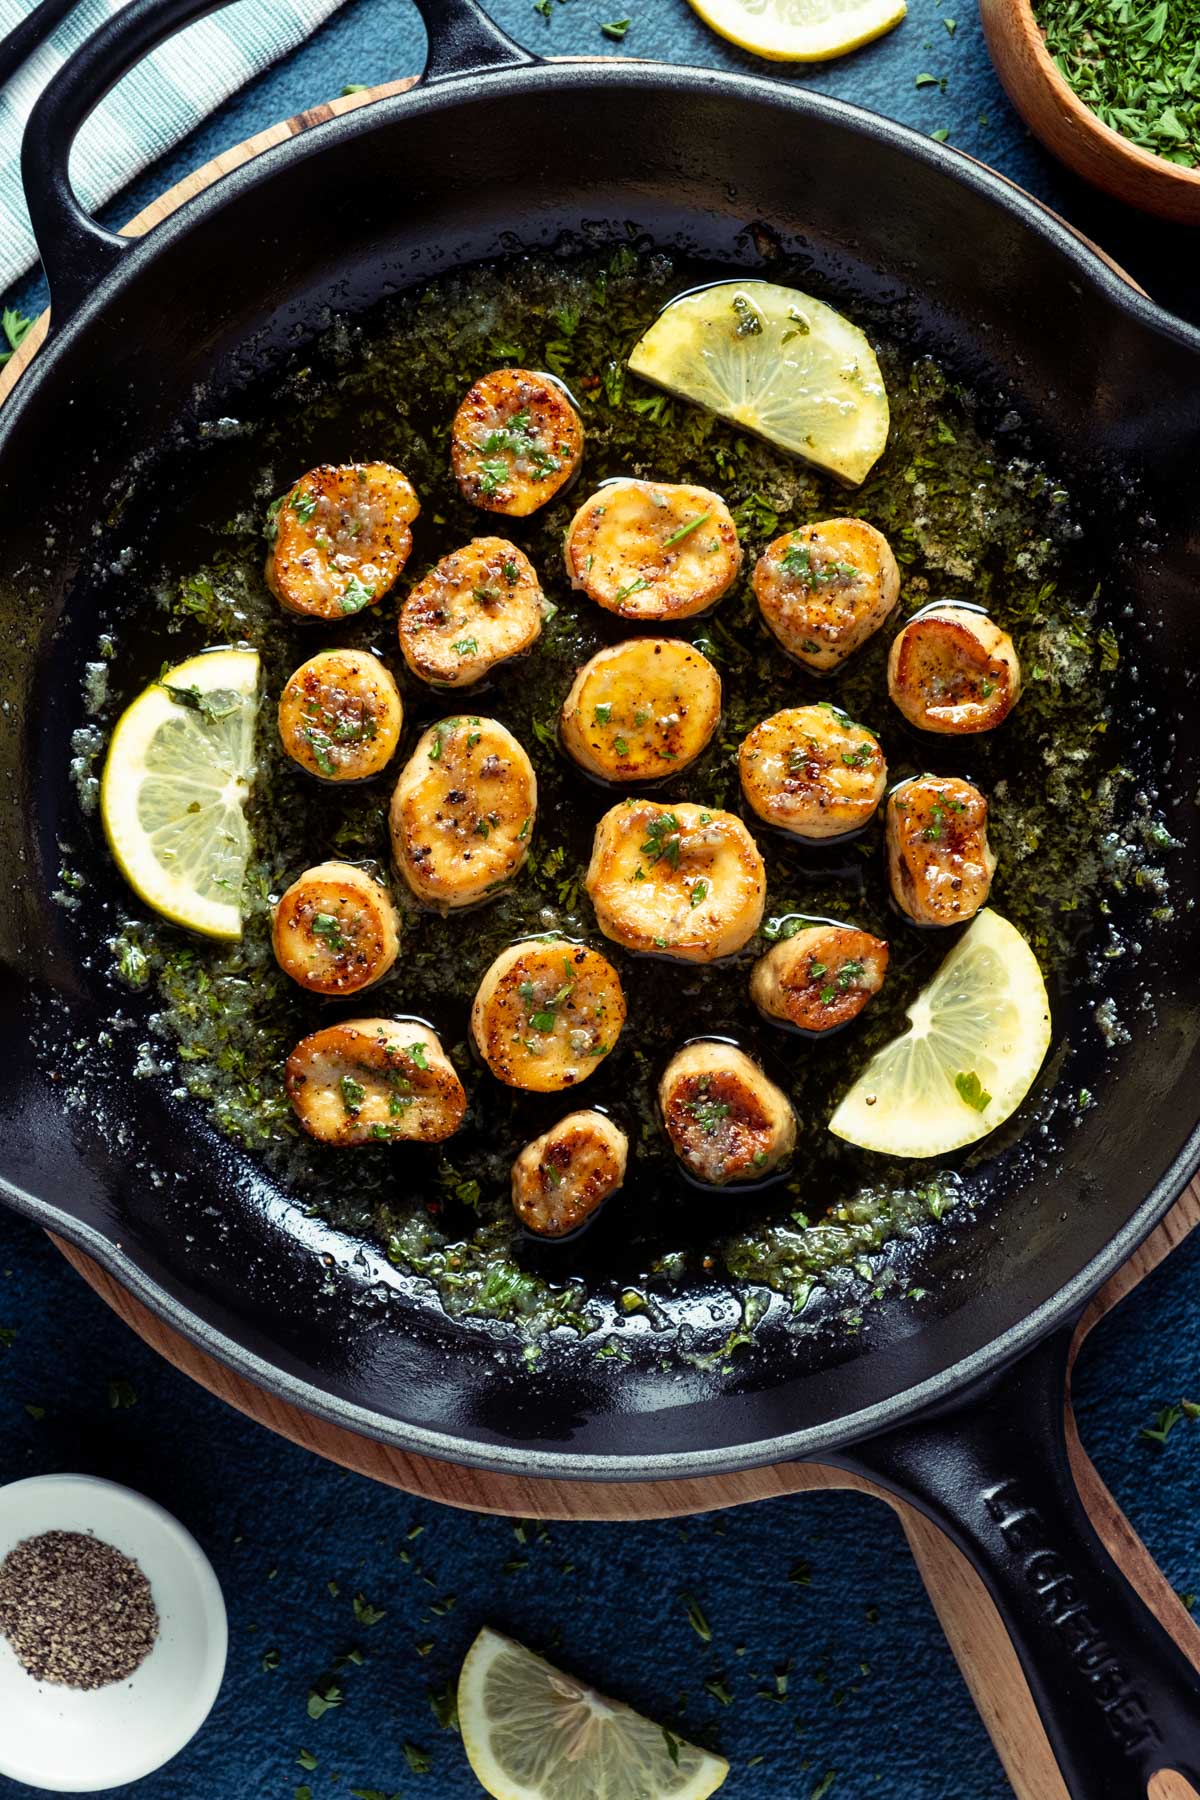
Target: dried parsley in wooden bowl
(1112,87)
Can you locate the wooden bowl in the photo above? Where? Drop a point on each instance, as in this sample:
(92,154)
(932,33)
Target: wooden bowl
(1056,115)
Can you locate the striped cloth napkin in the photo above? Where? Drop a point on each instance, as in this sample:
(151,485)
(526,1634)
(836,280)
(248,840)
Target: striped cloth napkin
(155,106)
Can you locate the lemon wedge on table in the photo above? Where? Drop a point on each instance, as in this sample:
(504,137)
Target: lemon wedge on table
(980,1032)
(533,1733)
(174,790)
(778,363)
(800,30)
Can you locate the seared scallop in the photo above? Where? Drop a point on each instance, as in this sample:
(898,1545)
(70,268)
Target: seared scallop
(560,1179)
(820,978)
(683,880)
(340,715)
(480,606)
(726,1119)
(547,1013)
(810,771)
(641,710)
(341,538)
(462,812)
(953,670)
(371,1081)
(516,439)
(650,550)
(939,860)
(823,590)
(335,930)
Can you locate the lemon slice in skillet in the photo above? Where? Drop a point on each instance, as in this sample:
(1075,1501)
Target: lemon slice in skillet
(533,1733)
(174,790)
(979,1034)
(778,363)
(800,30)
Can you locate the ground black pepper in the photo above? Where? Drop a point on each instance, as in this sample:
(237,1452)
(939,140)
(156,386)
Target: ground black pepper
(75,1610)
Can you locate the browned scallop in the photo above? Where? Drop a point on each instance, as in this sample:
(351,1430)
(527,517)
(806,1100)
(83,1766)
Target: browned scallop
(342,535)
(653,550)
(953,670)
(726,1119)
(480,606)
(820,978)
(462,813)
(811,771)
(516,440)
(560,1179)
(547,1013)
(340,715)
(825,589)
(335,930)
(369,1081)
(681,880)
(939,860)
(641,710)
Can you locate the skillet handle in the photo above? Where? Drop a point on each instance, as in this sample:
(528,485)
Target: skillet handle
(1117,1696)
(77,253)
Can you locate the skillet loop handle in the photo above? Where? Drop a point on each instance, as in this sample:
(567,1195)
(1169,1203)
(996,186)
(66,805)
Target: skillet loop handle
(1117,1696)
(76,252)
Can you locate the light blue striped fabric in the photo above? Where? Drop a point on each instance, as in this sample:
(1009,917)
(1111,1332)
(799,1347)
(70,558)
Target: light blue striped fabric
(150,110)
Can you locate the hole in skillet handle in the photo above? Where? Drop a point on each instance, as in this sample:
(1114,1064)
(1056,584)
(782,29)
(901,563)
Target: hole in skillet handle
(1117,1696)
(77,253)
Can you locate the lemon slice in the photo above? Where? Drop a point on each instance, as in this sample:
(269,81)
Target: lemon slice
(800,30)
(533,1733)
(175,786)
(980,1032)
(777,362)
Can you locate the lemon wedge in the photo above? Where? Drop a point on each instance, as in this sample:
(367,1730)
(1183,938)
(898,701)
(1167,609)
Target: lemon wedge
(175,786)
(533,1733)
(800,30)
(979,1034)
(778,363)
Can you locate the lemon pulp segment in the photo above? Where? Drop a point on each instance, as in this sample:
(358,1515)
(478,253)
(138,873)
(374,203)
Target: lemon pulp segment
(777,362)
(979,1034)
(534,1733)
(174,790)
(800,30)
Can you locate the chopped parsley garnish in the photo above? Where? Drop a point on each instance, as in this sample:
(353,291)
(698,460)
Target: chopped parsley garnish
(355,595)
(511,573)
(698,892)
(662,840)
(326,926)
(621,746)
(353,1094)
(416,1053)
(797,560)
(465,647)
(616,28)
(211,703)
(493,473)
(631,587)
(933,831)
(518,440)
(677,537)
(602,714)
(706,1111)
(303,506)
(319,743)
(972,1091)
(859,756)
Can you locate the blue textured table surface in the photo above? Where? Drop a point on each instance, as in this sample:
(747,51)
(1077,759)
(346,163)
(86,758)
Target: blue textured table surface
(818,1585)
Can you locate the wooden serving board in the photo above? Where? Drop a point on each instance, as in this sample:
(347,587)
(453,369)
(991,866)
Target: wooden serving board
(971,1623)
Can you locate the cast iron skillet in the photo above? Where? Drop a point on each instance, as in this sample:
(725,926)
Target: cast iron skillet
(153,339)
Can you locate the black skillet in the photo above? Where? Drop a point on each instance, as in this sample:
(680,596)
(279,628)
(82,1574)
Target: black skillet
(957,1406)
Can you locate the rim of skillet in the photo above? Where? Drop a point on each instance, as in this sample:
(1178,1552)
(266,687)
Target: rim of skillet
(940,1388)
